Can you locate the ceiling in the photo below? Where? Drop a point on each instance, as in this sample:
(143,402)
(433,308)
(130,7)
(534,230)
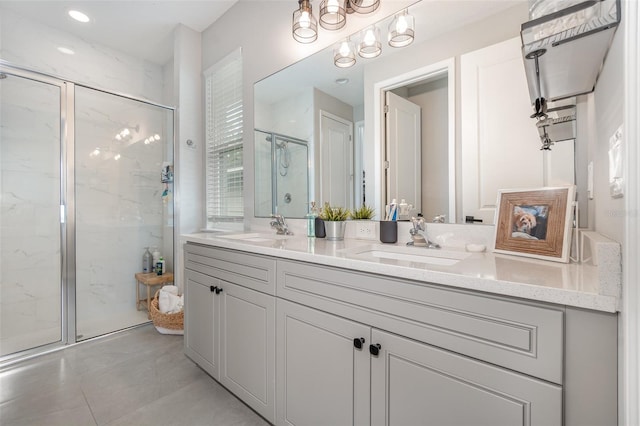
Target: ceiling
(142,28)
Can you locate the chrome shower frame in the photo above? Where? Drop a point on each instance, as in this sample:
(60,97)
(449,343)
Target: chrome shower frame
(67,201)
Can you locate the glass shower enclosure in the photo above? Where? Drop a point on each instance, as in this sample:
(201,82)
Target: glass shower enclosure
(282,175)
(81,198)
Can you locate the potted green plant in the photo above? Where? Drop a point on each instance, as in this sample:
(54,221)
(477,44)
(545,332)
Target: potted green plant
(334,221)
(363,225)
(364,212)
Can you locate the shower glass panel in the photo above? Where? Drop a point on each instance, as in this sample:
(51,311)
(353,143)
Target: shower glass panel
(262,195)
(122,147)
(30,229)
(282,175)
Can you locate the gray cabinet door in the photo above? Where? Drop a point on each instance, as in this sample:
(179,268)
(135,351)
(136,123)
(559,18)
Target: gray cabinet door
(417,384)
(322,378)
(201,321)
(247,346)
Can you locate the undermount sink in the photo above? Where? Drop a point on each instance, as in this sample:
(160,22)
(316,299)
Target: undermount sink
(394,254)
(255,237)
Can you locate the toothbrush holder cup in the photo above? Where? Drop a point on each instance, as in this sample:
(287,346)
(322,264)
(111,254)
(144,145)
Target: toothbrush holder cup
(388,231)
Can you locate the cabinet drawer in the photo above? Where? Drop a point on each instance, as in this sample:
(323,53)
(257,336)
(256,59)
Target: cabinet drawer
(516,335)
(249,270)
(413,383)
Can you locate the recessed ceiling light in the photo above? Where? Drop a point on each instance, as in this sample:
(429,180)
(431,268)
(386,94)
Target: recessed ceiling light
(342,81)
(79,16)
(66,50)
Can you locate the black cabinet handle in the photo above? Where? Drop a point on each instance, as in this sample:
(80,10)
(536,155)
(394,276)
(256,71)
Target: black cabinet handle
(375,349)
(358,342)
(218,290)
(213,288)
(471,219)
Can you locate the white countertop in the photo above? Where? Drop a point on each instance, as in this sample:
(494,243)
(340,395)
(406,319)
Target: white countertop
(577,285)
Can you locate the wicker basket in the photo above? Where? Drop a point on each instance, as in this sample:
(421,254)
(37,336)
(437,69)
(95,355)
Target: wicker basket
(165,321)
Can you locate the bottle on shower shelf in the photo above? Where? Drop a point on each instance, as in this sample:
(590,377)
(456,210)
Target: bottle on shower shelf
(147,258)
(160,268)
(156,257)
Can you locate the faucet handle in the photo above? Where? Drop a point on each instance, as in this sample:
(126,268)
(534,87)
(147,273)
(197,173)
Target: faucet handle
(418,223)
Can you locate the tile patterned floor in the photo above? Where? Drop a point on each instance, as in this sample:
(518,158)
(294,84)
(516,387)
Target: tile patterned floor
(138,377)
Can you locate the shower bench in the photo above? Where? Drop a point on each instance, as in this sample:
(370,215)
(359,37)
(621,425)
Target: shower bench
(149,280)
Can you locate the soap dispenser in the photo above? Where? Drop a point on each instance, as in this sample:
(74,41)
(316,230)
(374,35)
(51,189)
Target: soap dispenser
(311,220)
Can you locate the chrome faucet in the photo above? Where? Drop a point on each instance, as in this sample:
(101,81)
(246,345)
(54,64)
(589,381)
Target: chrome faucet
(419,238)
(439,218)
(280,225)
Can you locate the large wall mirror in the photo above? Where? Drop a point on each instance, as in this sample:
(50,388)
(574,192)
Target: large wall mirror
(435,125)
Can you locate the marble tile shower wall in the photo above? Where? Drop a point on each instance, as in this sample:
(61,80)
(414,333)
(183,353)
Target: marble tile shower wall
(119,208)
(29,215)
(31,45)
(293,195)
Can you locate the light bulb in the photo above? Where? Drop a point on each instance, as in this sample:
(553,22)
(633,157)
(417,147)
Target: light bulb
(369,38)
(79,16)
(344,49)
(332,6)
(402,25)
(66,50)
(305,20)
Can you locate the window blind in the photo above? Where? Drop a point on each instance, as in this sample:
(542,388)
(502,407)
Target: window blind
(224,146)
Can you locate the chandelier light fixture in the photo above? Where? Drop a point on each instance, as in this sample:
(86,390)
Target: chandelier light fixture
(370,45)
(305,26)
(344,54)
(364,6)
(401,30)
(333,16)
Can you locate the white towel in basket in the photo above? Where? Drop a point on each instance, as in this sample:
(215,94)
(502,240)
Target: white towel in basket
(168,300)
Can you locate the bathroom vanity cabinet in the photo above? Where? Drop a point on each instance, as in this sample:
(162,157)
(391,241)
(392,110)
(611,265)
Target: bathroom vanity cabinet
(352,347)
(230,323)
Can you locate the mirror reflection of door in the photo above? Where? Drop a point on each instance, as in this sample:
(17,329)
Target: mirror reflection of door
(336,161)
(403,134)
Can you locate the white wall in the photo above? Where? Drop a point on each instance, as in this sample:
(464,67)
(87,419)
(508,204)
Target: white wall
(187,95)
(607,115)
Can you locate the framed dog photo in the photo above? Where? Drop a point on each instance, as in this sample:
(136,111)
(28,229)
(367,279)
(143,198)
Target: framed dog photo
(535,223)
